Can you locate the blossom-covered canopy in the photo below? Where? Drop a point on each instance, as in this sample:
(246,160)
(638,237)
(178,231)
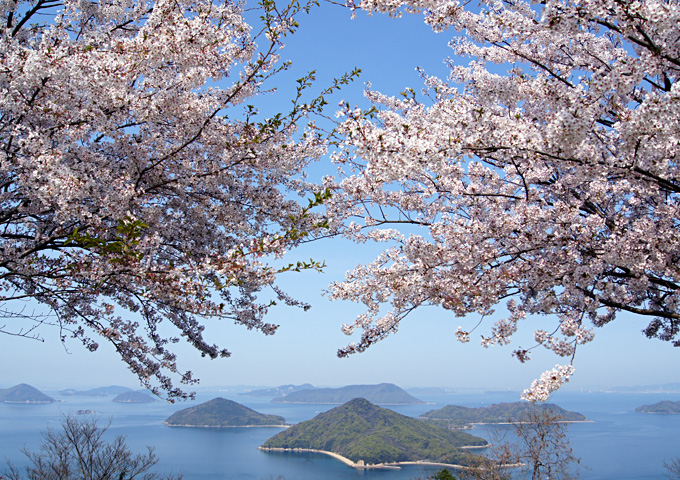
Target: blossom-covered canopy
(545,174)
(137,187)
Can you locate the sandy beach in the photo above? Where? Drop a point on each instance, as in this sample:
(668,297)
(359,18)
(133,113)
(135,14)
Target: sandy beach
(360,464)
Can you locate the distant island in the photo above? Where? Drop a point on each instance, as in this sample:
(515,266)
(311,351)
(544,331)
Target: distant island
(279,391)
(364,435)
(220,412)
(382,394)
(659,388)
(458,416)
(24,393)
(426,391)
(96,392)
(664,407)
(133,397)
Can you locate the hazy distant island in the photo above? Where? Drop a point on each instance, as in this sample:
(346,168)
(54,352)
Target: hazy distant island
(279,391)
(426,391)
(659,388)
(95,392)
(664,407)
(364,435)
(383,394)
(133,397)
(24,393)
(220,412)
(458,416)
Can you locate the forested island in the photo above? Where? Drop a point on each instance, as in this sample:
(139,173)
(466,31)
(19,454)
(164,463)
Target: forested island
(662,407)
(383,394)
(220,412)
(366,435)
(24,393)
(133,397)
(458,416)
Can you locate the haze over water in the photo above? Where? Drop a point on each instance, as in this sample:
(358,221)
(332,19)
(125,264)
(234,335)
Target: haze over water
(619,443)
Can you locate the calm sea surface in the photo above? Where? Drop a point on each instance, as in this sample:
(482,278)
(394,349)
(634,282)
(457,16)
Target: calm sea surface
(619,444)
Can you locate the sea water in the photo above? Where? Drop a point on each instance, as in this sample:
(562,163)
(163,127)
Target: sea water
(618,444)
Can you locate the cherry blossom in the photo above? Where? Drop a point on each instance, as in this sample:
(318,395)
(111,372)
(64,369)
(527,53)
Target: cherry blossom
(542,175)
(139,190)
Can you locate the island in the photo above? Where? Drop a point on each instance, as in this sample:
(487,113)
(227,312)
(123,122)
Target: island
(382,394)
(96,392)
(24,393)
(278,391)
(665,388)
(133,397)
(456,416)
(427,391)
(220,412)
(365,435)
(662,407)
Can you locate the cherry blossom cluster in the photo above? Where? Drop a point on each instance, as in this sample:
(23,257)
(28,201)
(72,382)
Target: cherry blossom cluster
(544,172)
(138,190)
(549,382)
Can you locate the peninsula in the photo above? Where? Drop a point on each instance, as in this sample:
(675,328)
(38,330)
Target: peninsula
(458,416)
(220,412)
(662,407)
(364,435)
(382,394)
(24,393)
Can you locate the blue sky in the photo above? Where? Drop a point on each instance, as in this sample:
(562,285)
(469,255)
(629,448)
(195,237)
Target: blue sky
(424,352)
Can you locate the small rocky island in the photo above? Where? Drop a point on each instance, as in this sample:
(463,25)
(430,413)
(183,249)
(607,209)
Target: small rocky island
(24,393)
(220,412)
(662,407)
(133,397)
(364,435)
(456,416)
(382,394)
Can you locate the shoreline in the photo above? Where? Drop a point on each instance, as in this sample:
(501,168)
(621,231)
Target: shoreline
(225,426)
(360,465)
(471,425)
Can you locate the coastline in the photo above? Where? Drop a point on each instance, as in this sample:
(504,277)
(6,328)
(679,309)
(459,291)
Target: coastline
(522,423)
(360,465)
(471,425)
(225,426)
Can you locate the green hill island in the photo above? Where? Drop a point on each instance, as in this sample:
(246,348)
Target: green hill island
(458,416)
(662,407)
(364,435)
(220,412)
(24,393)
(382,394)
